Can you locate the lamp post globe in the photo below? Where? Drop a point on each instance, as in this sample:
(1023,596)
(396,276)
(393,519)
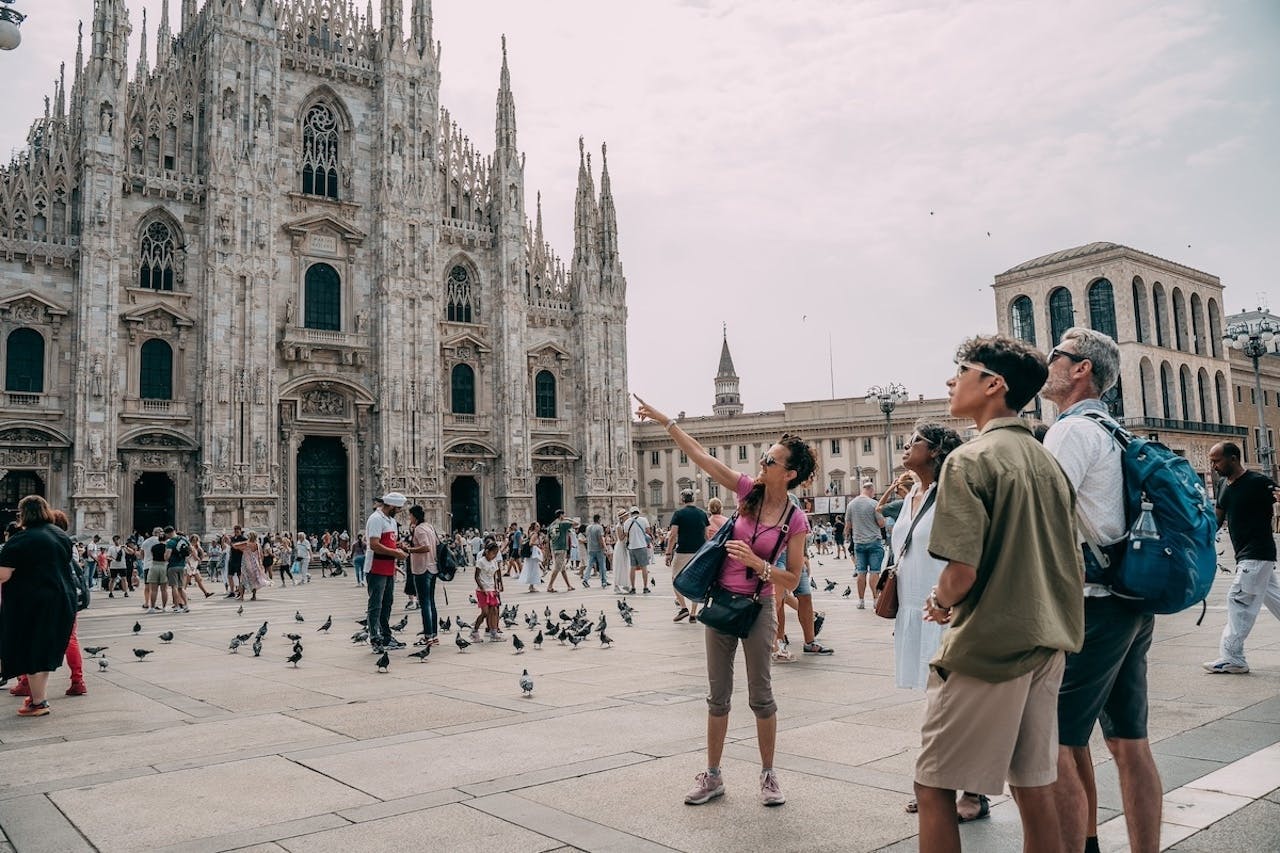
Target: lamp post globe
(888,396)
(1255,337)
(10,35)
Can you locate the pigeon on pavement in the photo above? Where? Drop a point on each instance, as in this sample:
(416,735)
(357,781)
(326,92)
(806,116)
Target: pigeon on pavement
(294,658)
(240,610)
(166,637)
(384,662)
(297,616)
(517,644)
(537,641)
(94,651)
(257,646)
(526,683)
(102,664)
(137,628)
(328,623)
(460,643)
(421,655)
(141,654)
(605,642)
(848,591)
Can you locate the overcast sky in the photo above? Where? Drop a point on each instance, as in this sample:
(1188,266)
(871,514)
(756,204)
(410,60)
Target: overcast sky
(814,170)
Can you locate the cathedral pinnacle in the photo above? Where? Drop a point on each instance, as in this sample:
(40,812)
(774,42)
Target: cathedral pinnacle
(421,26)
(142,70)
(164,37)
(506,122)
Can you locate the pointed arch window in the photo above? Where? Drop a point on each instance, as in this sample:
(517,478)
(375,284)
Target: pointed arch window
(544,394)
(1022,319)
(460,304)
(462,383)
(1102,308)
(1061,314)
(320,152)
(323,307)
(155,260)
(155,371)
(24,362)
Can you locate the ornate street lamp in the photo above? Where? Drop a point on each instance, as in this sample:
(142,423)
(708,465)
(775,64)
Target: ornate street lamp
(888,396)
(10,20)
(1256,337)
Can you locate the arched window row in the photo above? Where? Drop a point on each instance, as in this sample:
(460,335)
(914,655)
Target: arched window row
(1102,308)
(1061,314)
(24,362)
(320,166)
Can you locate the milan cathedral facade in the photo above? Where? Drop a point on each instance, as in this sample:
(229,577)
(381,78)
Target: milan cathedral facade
(267,278)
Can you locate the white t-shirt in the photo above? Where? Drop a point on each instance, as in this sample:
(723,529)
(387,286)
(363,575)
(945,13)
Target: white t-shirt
(116,555)
(1091,460)
(636,529)
(302,552)
(486,573)
(146,551)
(378,524)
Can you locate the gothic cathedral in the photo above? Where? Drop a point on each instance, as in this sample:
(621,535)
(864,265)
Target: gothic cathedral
(268,279)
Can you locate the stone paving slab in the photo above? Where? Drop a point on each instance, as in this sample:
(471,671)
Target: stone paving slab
(446,827)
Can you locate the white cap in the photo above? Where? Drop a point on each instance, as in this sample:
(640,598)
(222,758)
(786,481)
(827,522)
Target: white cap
(635,510)
(394,499)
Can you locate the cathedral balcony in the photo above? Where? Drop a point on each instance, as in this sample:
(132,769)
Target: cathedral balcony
(164,183)
(466,233)
(556,425)
(23,404)
(140,409)
(325,345)
(466,423)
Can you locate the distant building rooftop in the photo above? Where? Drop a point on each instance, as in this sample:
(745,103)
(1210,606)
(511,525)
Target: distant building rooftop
(1088,249)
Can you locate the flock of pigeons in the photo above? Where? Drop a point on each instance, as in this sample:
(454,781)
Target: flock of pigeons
(570,629)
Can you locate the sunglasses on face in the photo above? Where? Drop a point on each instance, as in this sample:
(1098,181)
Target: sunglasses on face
(963,367)
(1057,352)
(768,461)
(919,438)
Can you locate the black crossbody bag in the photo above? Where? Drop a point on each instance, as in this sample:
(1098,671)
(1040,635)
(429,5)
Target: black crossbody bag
(734,613)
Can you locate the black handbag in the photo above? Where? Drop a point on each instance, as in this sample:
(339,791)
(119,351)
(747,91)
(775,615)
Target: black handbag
(700,573)
(734,613)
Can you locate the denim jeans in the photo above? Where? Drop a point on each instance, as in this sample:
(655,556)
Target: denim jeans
(1255,584)
(358,563)
(867,557)
(595,558)
(425,587)
(382,589)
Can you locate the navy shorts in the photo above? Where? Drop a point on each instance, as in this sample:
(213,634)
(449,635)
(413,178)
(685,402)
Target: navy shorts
(1106,681)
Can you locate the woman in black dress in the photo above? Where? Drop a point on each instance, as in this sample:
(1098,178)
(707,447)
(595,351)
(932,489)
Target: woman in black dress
(37,602)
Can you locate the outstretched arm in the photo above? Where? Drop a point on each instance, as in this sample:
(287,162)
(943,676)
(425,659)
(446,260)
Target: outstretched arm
(720,472)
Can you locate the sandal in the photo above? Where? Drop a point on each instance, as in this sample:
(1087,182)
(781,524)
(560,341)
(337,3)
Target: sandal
(912,807)
(984,810)
(816,648)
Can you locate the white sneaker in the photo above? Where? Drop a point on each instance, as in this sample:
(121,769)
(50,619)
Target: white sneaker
(1225,667)
(770,792)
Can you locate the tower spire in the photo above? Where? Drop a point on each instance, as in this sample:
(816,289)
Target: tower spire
(585,212)
(110,42)
(60,100)
(79,49)
(420,25)
(188,13)
(506,121)
(608,215)
(142,48)
(164,37)
(728,400)
(393,22)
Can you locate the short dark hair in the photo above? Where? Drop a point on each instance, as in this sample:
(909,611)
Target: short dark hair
(1022,367)
(1231,449)
(596,518)
(33,511)
(419,514)
(941,439)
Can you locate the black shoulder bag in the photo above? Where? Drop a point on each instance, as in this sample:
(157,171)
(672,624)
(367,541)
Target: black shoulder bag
(734,613)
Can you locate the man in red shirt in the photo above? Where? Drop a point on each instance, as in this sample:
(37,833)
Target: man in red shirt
(382,534)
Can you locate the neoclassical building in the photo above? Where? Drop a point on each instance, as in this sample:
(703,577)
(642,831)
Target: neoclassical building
(268,278)
(1175,377)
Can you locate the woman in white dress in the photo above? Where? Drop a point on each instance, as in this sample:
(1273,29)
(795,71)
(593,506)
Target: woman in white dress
(531,559)
(621,558)
(915,641)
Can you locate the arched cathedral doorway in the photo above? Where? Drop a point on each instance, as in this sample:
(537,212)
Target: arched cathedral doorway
(322,484)
(153,501)
(464,503)
(550,497)
(15,486)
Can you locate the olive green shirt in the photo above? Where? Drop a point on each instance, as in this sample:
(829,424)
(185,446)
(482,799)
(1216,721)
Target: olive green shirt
(1005,507)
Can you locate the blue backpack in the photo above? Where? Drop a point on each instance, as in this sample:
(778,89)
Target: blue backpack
(1178,571)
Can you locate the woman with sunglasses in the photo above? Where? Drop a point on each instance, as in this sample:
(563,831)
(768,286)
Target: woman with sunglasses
(763,509)
(915,641)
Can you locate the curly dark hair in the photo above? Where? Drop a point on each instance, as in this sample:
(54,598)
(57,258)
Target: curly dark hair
(941,440)
(800,461)
(1023,367)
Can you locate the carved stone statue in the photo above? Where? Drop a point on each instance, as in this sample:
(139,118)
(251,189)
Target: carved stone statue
(290,311)
(97,376)
(95,448)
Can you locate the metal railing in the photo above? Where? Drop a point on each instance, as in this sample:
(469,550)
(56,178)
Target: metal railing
(1185,426)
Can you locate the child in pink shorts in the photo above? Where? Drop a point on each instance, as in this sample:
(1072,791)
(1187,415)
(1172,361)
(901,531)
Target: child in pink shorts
(488,587)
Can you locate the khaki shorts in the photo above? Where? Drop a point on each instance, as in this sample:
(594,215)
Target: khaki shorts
(679,561)
(977,734)
(156,574)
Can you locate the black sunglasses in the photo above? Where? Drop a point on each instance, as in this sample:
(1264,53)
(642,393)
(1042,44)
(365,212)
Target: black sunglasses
(1076,358)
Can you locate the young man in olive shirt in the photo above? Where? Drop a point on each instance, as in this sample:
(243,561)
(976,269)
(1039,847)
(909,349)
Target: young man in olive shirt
(1246,503)
(1013,593)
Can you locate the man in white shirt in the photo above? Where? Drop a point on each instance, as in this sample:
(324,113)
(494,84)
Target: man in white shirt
(1106,681)
(155,595)
(382,534)
(637,530)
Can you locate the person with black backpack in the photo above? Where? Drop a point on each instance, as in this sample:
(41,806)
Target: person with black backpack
(1106,681)
(176,550)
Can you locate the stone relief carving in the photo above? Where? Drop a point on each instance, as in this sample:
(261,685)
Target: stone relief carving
(97,371)
(322,402)
(95,448)
(28,312)
(155,439)
(24,435)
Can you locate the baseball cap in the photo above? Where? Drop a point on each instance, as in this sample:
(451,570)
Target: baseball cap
(635,510)
(394,499)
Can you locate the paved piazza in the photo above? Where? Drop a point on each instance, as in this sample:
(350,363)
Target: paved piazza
(196,749)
